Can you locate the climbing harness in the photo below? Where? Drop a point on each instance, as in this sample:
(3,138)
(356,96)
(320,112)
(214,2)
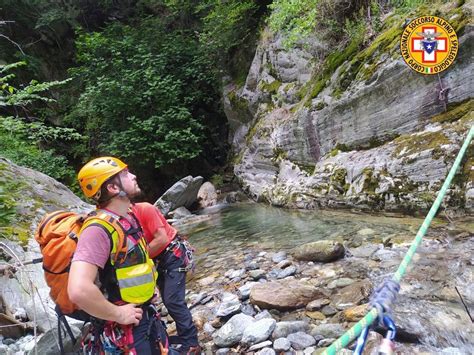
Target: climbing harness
(113,338)
(175,248)
(384,294)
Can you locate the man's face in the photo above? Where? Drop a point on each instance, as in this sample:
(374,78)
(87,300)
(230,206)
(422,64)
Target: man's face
(129,183)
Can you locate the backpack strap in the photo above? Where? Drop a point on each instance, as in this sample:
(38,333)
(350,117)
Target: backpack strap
(111,225)
(62,318)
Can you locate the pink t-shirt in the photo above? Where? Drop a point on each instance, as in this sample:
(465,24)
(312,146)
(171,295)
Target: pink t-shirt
(93,245)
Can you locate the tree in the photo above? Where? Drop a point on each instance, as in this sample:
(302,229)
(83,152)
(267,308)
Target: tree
(24,140)
(146,93)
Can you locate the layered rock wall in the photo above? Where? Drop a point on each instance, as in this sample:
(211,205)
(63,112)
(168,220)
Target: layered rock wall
(370,134)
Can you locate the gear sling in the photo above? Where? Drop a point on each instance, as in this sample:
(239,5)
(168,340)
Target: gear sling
(130,275)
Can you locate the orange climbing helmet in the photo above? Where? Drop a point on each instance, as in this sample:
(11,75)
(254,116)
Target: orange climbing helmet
(96,172)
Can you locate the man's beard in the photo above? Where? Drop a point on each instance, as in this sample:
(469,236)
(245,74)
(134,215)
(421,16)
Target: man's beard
(136,194)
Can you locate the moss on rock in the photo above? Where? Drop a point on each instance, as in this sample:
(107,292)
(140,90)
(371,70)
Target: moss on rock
(370,181)
(455,112)
(338,180)
(415,143)
(306,167)
(238,104)
(271,88)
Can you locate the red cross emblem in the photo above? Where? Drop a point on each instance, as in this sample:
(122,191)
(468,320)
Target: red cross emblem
(417,45)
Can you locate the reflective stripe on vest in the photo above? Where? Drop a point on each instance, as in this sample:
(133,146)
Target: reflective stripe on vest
(136,281)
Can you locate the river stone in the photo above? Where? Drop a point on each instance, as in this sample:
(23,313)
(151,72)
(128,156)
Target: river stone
(207,195)
(328,311)
(208,328)
(353,295)
(301,340)
(355,314)
(258,331)
(366,231)
(283,295)
(232,274)
(201,315)
(316,305)
(342,282)
(365,251)
(279,257)
(315,315)
(329,330)
(231,332)
(281,274)
(248,309)
(289,271)
(206,281)
(179,213)
(418,319)
(182,193)
(263,314)
(281,344)
(326,342)
(244,291)
(283,264)
(47,344)
(323,251)
(386,256)
(282,329)
(230,304)
(251,265)
(260,345)
(257,274)
(266,351)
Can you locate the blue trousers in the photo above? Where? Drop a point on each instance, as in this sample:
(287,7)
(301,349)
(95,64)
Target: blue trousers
(172,286)
(145,335)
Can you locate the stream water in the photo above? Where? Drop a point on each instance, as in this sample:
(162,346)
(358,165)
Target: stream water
(238,227)
(430,313)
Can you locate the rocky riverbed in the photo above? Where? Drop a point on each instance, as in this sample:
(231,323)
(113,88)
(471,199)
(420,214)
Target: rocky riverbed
(302,300)
(278,281)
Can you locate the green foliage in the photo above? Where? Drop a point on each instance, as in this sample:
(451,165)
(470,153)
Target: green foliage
(23,142)
(228,31)
(19,143)
(11,96)
(217,180)
(226,24)
(355,29)
(146,93)
(407,4)
(296,19)
(7,203)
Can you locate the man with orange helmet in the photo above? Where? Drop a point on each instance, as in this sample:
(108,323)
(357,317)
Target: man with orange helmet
(126,286)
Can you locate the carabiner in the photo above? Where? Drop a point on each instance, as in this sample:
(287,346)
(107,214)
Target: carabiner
(361,341)
(387,347)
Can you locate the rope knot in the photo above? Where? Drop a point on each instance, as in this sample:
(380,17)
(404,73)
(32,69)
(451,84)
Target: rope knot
(384,296)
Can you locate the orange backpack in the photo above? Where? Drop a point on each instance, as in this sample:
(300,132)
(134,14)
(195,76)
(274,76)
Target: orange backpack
(57,235)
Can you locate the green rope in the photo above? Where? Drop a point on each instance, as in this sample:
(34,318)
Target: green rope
(369,318)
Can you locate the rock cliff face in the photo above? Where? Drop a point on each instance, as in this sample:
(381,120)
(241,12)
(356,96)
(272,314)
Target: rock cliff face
(33,194)
(359,129)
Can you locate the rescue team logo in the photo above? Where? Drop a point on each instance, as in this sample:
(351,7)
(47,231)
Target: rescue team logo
(429,45)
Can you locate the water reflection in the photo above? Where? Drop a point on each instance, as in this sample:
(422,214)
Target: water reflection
(273,229)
